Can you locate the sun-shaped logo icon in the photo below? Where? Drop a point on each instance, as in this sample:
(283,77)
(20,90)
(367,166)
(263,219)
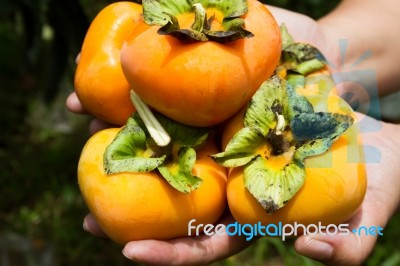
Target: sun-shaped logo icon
(361,92)
(361,88)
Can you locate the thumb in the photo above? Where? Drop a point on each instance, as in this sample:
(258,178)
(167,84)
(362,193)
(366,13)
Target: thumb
(351,248)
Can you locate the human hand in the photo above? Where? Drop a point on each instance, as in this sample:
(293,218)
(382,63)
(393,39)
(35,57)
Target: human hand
(199,250)
(305,29)
(73,105)
(380,203)
(380,198)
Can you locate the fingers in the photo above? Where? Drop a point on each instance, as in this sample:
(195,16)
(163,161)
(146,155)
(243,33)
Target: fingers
(337,249)
(181,251)
(97,125)
(185,251)
(74,105)
(77,58)
(72,102)
(296,23)
(90,225)
(313,248)
(345,249)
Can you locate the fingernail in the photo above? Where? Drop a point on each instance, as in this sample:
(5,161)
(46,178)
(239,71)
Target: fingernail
(125,253)
(85,226)
(316,249)
(130,250)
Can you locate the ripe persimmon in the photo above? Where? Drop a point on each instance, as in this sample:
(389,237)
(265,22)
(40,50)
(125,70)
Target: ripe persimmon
(199,76)
(334,186)
(142,205)
(294,153)
(99,81)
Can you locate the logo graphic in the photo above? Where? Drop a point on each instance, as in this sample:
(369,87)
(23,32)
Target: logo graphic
(362,96)
(250,231)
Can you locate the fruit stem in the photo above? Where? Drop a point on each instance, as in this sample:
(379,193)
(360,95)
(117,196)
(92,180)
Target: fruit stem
(200,17)
(156,130)
(166,14)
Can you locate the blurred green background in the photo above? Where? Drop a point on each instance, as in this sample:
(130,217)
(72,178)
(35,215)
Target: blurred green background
(41,209)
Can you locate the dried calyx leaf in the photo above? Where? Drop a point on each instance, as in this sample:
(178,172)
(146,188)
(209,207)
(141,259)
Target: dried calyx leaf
(133,150)
(300,58)
(280,130)
(166,14)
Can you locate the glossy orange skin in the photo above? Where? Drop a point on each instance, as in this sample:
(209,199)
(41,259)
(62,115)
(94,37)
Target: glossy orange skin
(135,206)
(335,182)
(202,83)
(99,81)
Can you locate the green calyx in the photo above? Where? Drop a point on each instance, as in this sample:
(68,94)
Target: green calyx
(280,131)
(133,150)
(165,13)
(299,58)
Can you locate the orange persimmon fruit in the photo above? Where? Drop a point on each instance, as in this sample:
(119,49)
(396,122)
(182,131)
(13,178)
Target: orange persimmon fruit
(134,206)
(201,83)
(335,181)
(99,81)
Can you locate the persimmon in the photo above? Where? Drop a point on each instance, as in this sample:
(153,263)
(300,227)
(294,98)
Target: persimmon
(199,64)
(294,152)
(137,192)
(99,81)
(334,185)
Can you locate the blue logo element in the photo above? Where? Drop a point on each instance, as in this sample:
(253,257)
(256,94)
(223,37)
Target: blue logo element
(363,95)
(368,231)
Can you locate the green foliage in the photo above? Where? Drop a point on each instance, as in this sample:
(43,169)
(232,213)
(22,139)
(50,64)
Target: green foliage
(268,251)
